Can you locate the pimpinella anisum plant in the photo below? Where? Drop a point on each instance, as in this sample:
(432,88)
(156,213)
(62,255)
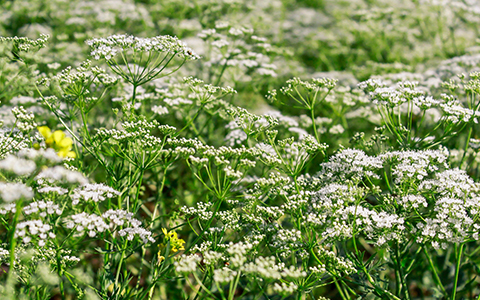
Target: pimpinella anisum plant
(198,198)
(416,120)
(140,60)
(18,64)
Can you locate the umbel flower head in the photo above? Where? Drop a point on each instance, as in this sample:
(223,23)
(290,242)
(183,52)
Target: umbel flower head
(140,60)
(58,141)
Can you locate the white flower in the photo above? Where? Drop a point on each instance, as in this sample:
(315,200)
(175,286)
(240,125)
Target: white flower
(224,275)
(187,263)
(160,110)
(17,165)
(144,234)
(93,192)
(13,191)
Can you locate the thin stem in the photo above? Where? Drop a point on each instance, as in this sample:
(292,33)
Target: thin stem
(435,274)
(339,288)
(192,119)
(140,272)
(134,94)
(160,191)
(233,286)
(312,115)
(120,264)
(60,277)
(13,240)
(398,269)
(457,270)
(466,147)
(224,67)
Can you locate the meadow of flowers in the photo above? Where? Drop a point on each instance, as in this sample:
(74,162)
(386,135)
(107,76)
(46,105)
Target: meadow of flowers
(239,149)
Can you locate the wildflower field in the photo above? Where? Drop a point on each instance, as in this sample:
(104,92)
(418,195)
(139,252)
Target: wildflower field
(239,149)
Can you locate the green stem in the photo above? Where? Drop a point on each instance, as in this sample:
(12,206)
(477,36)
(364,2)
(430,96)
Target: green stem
(434,271)
(233,286)
(192,119)
(137,194)
(152,289)
(457,271)
(466,147)
(398,269)
(60,277)
(137,286)
(117,277)
(134,94)
(312,115)
(160,190)
(339,288)
(369,277)
(224,67)
(13,241)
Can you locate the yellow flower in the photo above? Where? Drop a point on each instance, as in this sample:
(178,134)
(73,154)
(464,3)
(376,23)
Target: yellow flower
(176,243)
(58,141)
(161,258)
(47,135)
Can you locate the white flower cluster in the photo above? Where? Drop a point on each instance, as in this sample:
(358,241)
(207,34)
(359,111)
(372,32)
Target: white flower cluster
(202,211)
(19,166)
(235,137)
(238,47)
(350,164)
(48,155)
(140,132)
(61,174)
(84,75)
(8,208)
(455,112)
(206,93)
(160,110)
(4,253)
(43,208)
(391,96)
(93,192)
(224,275)
(83,221)
(52,189)
(332,261)
(11,144)
(108,47)
(25,44)
(451,224)
(236,261)
(24,120)
(316,85)
(120,217)
(413,201)
(414,165)
(10,192)
(268,154)
(187,263)
(451,183)
(250,123)
(110,220)
(238,253)
(381,226)
(34,230)
(131,232)
(285,288)
(287,239)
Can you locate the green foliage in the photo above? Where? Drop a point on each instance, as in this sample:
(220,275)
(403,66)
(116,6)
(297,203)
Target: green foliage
(311,149)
